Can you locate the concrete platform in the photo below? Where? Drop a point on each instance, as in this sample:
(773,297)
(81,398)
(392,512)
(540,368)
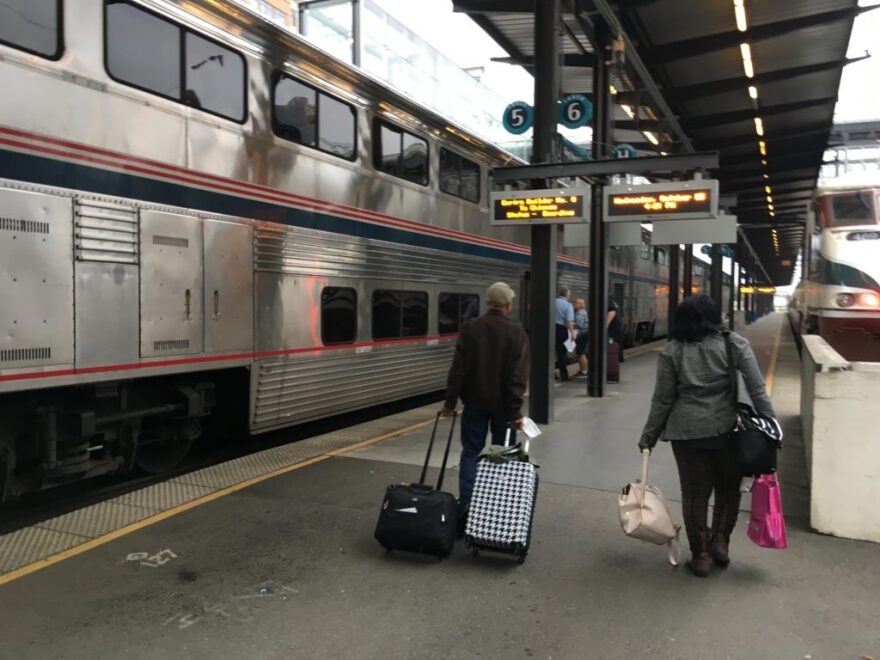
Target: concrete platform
(287,567)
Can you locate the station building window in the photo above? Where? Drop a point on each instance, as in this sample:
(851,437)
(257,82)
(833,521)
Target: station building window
(146,51)
(399,314)
(338,315)
(660,256)
(454,309)
(400,153)
(459,176)
(645,250)
(33,26)
(304,115)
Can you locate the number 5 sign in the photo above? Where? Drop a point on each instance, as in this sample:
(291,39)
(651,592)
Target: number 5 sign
(575,110)
(518,117)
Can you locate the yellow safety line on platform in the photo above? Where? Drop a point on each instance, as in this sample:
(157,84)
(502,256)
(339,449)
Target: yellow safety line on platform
(771,367)
(186,506)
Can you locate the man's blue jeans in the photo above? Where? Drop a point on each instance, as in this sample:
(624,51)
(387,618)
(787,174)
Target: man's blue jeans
(475,423)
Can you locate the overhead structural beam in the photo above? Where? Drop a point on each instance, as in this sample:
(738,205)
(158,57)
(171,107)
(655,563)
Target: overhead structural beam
(569,59)
(750,138)
(751,161)
(702,90)
(494,6)
(635,61)
(733,38)
(733,116)
(706,160)
(498,36)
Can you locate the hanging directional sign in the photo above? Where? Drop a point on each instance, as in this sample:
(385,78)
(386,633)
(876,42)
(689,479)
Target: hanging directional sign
(575,110)
(676,200)
(623,150)
(518,117)
(540,207)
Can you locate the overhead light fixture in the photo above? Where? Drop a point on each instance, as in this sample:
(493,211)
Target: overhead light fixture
(759,126)
(651,137)
(771,207)
(767,189)
(763,147)
(663,153)
(766,176)
(772,214)
(612,89)
(746,51)
(628,110)
(753,92)
(764,162)
(769,199)
(740,11)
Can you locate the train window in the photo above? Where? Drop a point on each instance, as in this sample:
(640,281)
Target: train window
(415,313)
(646,250)
(454,309)
(660,256)
(338,315)
(295,111)
(336,127)
(148,52)
(853,209)
(399,314)
(215,79)
(32,25)
(143,50)
(459,176)
(400,153)
(304,115)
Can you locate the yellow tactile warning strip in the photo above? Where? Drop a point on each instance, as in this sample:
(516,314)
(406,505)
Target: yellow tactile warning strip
(28,550)
(771,366)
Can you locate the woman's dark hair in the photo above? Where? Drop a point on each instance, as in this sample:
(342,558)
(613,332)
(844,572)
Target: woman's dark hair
(696,317)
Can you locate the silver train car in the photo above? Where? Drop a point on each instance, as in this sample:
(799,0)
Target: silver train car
(209,226)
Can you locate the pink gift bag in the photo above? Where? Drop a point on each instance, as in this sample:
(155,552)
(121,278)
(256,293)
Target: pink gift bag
(767,526)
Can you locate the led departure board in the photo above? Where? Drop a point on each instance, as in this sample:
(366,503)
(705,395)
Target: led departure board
(678,200)
(530,207)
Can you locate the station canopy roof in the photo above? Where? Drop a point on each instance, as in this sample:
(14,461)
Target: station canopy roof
(694,79)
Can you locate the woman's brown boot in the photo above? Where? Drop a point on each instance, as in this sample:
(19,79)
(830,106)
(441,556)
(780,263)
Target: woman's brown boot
(718,550)
(700,562)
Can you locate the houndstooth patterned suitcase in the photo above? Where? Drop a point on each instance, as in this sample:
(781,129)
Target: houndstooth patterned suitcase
(502,507)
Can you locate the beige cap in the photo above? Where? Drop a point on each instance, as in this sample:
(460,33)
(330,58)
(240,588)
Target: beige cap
(499,295)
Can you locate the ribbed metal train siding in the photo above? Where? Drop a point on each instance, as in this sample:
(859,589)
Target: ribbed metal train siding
(305,387)
(310,252)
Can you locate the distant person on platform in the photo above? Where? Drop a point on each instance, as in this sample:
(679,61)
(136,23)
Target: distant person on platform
(564,330)
(489,373)
(581,324)
(615,325)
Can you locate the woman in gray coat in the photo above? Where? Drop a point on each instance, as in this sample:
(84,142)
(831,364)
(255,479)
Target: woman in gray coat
(693,407)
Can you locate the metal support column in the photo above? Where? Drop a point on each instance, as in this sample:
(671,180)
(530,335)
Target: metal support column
(715,279)
(688,270)
(545,239)
(732,298)
(598,304)
(674,287)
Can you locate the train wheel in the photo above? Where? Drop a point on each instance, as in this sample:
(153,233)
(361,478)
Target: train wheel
(162,455)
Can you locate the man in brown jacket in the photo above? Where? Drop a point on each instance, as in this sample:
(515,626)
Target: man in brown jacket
(489,373)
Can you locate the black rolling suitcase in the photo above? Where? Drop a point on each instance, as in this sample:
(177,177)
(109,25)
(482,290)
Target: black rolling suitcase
(418,517)
(613,362)
(502,506)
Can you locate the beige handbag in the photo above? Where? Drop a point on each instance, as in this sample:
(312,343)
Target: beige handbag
(644,514)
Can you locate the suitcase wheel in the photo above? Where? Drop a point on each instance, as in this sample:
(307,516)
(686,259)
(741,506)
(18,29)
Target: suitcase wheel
(521,559)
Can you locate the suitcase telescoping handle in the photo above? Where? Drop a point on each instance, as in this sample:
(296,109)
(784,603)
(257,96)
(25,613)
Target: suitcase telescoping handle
(445,452)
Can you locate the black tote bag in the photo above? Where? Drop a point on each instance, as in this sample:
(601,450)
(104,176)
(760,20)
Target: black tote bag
(756,438)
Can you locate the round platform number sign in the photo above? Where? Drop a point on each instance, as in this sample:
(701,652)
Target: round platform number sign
(624,150)
(575,110)
(518,117)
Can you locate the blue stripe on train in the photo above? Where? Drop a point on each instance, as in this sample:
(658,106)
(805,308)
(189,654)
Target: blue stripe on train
(50,172)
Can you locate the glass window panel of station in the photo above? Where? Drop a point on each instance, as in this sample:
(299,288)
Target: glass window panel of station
(336,127)
(295,111)
(415,313)
(215,78)
(31,25)
(143,50)
(338,315)
(414,164)
(853,209)
(386,314)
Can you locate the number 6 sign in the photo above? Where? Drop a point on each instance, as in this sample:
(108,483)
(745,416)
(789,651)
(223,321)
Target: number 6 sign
(575,110)
(518,117)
